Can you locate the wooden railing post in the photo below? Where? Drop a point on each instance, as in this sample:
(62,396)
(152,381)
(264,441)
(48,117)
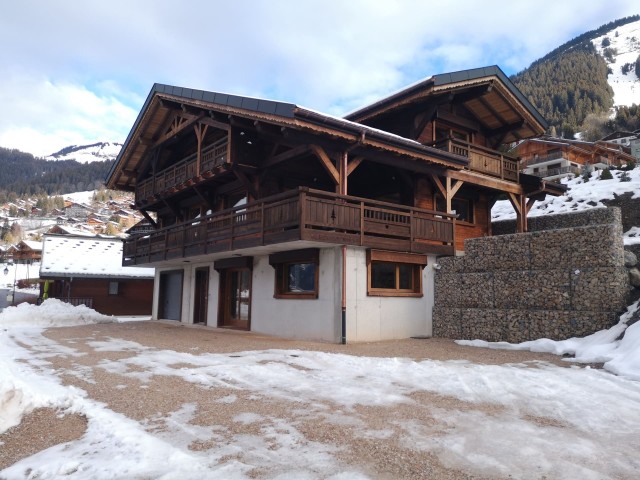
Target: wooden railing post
(302,209)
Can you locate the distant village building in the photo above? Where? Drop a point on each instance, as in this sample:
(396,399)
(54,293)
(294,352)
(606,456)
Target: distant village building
(552,158)
(630,140)
(78,210)
(28,252)
(88,270)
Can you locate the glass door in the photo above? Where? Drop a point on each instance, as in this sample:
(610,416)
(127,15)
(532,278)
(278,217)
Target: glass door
(236,298)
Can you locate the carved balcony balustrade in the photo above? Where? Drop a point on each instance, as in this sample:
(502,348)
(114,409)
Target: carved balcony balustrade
(301,214)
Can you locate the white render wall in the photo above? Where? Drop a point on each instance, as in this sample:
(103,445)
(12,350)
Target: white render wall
(371,319)
(368,319)
(312,319)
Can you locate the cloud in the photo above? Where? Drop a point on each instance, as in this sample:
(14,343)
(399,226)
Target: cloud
(47,116)
(84,66)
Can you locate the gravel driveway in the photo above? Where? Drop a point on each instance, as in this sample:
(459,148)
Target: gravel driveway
(179,410)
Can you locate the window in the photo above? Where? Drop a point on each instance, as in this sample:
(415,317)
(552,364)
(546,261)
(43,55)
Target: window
(394,274)
(462,207)
(113,288)
(296,273)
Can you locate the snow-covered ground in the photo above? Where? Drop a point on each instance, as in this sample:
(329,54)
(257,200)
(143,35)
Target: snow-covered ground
(626,41)
(540,420)
(17,272)
(581,195)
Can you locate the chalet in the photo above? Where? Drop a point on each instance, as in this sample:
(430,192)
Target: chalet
(630,140)
(66,230)
(78,210)
(552,158)
(278,219)
(88,270)
(28,251)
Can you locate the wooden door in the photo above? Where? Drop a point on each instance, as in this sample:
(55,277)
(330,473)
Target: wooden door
(235,298)
(201,295)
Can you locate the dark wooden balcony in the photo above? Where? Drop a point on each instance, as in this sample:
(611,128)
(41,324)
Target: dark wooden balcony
(301,214)
(483,160)
(184,173)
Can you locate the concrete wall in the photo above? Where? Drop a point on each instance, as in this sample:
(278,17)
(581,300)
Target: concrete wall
(312,319)
(371,319)
(556,284)
(367,318)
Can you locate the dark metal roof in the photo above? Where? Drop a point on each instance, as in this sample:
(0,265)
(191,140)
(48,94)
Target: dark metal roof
(282,109)
(454,77)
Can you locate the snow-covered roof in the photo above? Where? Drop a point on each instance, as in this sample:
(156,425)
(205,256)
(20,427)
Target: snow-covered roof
(33,245)
(79,256)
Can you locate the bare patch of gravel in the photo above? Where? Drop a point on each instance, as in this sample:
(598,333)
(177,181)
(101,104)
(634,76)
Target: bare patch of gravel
(41,429)
(368,439)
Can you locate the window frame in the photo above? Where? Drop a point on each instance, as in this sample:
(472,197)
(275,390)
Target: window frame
(282,261)
(470,207)
(113,285)
(416,262)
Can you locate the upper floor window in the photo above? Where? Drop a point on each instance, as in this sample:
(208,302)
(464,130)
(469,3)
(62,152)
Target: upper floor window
(462,207)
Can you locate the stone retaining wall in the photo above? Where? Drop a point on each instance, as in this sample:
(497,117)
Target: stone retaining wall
(555,283)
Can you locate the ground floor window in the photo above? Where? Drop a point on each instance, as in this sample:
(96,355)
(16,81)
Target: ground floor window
(296,273)
(394,273)
(113,288)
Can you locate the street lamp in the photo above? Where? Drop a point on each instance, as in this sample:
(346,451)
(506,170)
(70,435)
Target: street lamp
(6,272)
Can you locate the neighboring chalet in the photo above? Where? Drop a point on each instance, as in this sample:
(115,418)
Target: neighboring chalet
(631,140)
(77,210)
(286,221)
(28,252)
(552,158)
(88,270)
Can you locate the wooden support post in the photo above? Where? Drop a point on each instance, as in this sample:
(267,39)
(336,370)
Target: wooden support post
(326,163)
(201,131)
(520,206)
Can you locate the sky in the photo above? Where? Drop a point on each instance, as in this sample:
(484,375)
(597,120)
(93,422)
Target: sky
(74,73)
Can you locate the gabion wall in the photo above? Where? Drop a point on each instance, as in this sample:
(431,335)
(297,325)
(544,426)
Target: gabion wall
(555,283)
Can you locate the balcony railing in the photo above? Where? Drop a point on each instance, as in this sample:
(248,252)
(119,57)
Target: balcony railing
(483,160)
(543,158)
(301,214)
(552,172)
(181,173)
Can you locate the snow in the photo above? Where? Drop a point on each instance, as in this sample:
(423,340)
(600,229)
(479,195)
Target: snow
(619,355)
(85,197)
(66,256)
(553,422)
(632,236)
(626,88)
(89,153)
(580,195)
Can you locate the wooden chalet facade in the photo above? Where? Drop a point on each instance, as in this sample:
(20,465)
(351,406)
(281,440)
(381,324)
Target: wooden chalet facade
(271,217)
(28,252)
(78,269)
(552,158)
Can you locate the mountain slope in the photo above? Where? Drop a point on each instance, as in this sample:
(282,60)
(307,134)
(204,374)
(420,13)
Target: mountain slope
(620,48)
(574,80)
(23,174)
(88,153)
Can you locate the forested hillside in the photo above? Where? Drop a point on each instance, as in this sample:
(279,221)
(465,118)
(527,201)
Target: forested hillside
(570,83)
(23,174)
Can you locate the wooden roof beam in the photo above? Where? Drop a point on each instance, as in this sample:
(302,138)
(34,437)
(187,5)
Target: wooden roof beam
(327,163)
(289,154)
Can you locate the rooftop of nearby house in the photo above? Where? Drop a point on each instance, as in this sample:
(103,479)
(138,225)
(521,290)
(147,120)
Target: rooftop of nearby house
(87,257)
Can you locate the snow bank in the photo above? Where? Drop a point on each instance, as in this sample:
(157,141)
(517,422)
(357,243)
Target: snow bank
(52,313)
(619,355)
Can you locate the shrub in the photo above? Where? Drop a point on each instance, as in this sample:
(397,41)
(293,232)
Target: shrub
(625,177)
(606,174)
